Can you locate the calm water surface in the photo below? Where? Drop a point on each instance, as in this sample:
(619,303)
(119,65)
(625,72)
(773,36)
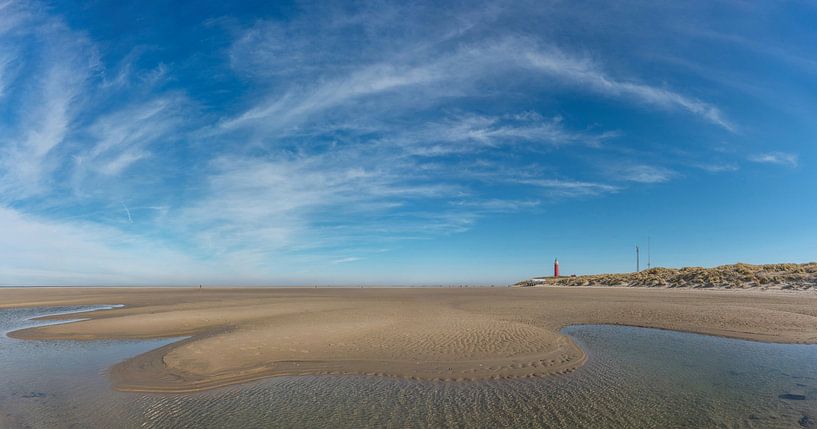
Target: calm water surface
(635,377)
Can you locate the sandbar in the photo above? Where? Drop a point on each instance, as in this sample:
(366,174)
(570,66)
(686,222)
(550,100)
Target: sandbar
(234,335)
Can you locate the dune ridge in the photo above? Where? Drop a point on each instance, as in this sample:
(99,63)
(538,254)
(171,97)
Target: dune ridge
(735,276)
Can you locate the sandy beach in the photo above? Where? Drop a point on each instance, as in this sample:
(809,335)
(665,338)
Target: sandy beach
(237,335)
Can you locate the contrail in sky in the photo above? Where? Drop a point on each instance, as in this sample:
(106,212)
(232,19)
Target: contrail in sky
(130,219)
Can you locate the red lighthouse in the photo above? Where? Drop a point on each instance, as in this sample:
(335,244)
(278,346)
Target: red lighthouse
(556,268)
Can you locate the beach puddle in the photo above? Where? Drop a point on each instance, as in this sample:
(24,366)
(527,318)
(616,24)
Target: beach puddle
(635,377)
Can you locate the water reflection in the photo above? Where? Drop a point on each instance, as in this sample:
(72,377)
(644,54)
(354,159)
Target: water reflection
(635,378)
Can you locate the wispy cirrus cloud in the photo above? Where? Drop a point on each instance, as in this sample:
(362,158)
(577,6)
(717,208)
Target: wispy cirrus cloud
(70,122)
(49,103)
(716,167)
(497,205)
(124,136)
(778,158)
(286,201)
(642,173)
(360,103)
(588,75)
(280,113)
(5,66)
(13,14)
(313,136)
(569,188)
(474,133)
(436,74)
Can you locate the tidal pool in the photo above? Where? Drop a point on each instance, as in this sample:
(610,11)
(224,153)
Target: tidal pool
(635,377)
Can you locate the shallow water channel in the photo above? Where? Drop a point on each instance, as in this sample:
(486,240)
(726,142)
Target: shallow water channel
(635,377)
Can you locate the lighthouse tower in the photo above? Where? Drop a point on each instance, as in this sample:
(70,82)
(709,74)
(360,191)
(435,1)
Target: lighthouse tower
(556,268)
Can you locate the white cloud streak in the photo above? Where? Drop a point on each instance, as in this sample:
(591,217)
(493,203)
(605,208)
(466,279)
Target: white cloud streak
(570,188)
(58,136)
(124,136)
(28,156)
(496,205)
(777,158)
(590,76)
(474,133)
(127,212)
(5,66)
(643,173)
(292,108)
(716,168)
(279,203)
(453,74)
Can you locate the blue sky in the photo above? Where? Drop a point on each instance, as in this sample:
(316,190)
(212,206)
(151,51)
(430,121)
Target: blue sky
(247,143)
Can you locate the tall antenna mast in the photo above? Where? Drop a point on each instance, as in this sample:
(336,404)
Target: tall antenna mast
(649,257)
(637,260)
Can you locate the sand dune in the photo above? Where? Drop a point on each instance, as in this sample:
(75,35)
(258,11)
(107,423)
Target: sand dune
(735,276)
(237,335)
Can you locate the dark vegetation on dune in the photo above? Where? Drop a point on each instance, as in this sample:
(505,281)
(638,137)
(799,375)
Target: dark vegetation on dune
(737,276)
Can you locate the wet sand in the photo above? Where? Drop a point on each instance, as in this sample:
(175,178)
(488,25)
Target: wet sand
(237,335)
